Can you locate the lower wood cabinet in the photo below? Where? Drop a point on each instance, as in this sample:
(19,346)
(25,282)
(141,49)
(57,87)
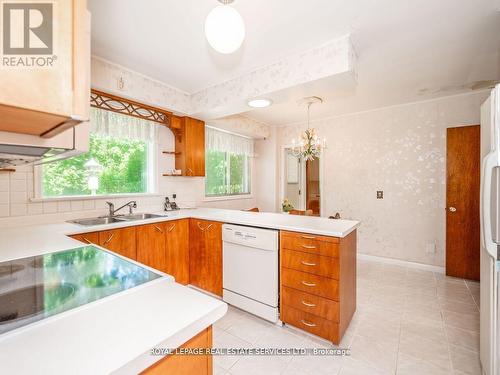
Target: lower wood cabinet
(187,364)
(121,241)
(88,238)
(318,283)
(205,255)
(151,241)
(177,250)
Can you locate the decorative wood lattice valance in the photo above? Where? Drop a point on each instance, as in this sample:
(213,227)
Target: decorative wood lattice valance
(102,100)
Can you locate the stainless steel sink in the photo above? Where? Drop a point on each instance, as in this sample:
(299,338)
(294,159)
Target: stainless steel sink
(140,217)
(114,219)
(98,221)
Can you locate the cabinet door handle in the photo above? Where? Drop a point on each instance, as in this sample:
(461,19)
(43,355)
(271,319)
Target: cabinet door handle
(308,304)
(109,239)
(308,247)
(171,228)
(307,264)
(308,284)
(87,240)
(199,226)
(158,229)
(309,237)
(307,323)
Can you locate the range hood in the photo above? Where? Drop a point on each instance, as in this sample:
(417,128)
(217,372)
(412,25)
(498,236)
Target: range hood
(22,149)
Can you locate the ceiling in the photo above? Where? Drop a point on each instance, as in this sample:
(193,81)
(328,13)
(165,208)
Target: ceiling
(407,50)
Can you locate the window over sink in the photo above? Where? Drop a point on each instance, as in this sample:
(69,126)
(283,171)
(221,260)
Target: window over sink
(228,163)
(121,160)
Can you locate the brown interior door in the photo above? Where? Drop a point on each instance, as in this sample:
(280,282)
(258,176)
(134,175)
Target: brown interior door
(462,202)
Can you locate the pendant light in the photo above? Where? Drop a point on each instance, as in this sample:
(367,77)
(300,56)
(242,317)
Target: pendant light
(309,145)
(224,28)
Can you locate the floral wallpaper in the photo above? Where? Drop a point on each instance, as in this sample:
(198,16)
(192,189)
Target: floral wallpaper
(402,151)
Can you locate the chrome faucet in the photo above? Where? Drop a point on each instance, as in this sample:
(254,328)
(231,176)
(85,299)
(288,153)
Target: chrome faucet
(131,205)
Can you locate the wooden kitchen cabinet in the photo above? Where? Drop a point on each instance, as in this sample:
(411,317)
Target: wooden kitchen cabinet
(189,146)
(318,283)
(88,238)
(151,245)
(177,250)
(205,255)
(46,100)
(121,241)
(187,364)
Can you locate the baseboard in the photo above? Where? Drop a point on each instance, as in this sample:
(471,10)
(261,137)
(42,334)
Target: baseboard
(399,262)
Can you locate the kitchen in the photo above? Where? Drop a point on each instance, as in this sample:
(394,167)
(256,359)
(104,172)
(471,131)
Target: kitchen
(215,177)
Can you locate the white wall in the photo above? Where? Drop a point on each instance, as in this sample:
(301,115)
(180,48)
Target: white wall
(266,172)
(400,150)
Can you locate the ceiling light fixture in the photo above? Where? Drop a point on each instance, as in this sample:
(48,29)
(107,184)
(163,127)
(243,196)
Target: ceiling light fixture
(224,28)
(260,103)
(309,145)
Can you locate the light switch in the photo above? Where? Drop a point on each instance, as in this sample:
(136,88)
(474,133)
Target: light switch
(380,194)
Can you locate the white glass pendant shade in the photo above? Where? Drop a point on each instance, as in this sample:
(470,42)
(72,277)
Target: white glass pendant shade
(225,29)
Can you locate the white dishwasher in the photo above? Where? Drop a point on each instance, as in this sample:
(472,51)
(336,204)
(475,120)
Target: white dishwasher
(250,270)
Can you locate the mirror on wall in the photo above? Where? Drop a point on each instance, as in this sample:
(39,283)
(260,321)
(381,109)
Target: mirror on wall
(301,183)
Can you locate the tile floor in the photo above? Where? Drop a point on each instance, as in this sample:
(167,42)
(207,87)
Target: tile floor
(407,321)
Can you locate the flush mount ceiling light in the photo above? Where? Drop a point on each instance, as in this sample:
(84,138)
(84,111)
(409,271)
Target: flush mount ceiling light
(260,103)
(224,28)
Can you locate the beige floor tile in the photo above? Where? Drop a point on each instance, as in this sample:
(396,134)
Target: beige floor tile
(375,354)
(450,295)
(465,360)
(463,338)
(217,370)
(258,366)
(353,367)
(249,328)
(410,366)
(223,340)
(468,322)
(425,328)
(318,365)
(458,307)
(387,330)
(421,348)
(231,316)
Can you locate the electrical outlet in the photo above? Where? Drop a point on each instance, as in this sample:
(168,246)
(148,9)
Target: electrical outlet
(380,194)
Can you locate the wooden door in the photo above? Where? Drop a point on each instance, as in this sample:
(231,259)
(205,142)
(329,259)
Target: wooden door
(151,245)
(120,241)
(177,250)
(462,202)
(205,255)
(88,238)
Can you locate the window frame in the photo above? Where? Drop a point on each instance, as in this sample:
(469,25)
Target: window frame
(230,196)
(152,183)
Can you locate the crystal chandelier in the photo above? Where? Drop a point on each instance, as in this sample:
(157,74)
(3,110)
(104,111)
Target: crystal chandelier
(309,145)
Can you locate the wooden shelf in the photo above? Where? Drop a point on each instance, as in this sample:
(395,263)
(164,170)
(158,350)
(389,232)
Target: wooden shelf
(171,153)
(7,170)
(173,175)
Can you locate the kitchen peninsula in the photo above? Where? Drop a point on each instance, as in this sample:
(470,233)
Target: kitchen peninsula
(318,267)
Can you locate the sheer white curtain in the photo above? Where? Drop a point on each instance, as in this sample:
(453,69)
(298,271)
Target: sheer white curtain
(108,123)
(226,142)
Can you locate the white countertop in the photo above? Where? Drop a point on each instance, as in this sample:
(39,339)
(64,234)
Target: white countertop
(115,334)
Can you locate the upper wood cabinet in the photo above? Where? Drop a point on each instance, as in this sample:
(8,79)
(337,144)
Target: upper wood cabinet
(177,250)
(205,255)
(189,145)
(121,241)
(52,94)
(151,245)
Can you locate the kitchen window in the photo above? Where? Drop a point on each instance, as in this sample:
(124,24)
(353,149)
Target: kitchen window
(228,163)
(120,160)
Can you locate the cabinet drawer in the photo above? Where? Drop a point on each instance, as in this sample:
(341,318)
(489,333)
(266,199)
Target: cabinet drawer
(320,245)
(311,323)
(311,263)
(322,307)
(317,285)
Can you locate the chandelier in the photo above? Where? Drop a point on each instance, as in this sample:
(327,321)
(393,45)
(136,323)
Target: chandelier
(309,146)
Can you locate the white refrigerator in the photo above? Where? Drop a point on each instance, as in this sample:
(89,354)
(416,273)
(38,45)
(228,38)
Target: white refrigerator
(490,233)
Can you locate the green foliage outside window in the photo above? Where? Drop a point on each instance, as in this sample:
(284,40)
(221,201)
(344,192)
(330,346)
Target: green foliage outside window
(124,162)
(226,173)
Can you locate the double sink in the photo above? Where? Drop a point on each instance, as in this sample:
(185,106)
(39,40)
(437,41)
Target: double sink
(114,219)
